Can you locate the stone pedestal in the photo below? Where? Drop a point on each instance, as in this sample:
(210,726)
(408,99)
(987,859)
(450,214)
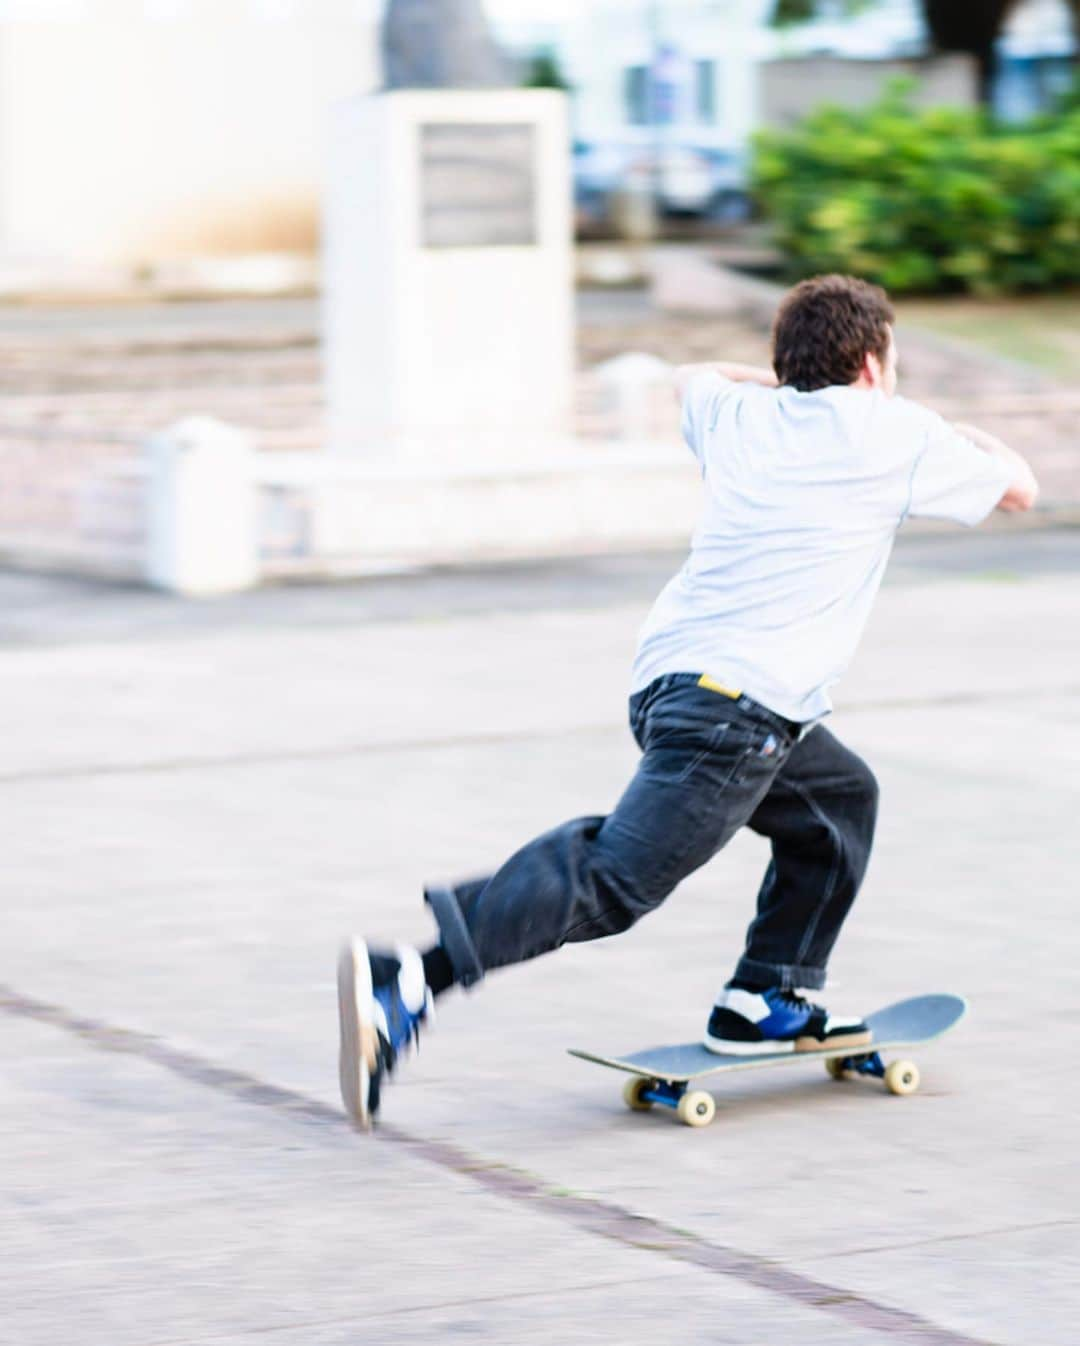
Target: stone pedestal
(447,281)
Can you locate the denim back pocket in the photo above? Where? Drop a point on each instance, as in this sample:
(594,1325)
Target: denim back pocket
(675,752)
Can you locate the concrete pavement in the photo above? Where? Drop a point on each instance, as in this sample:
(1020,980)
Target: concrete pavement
(200,799)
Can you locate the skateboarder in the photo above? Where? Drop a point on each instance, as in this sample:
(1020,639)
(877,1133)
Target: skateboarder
(809,470)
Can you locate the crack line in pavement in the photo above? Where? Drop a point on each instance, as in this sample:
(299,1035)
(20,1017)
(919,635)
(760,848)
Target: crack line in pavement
(606,1219)
(481,740)
(940,1238)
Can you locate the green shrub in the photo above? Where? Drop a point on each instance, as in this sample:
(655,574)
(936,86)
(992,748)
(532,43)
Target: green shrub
(542,71)
(926,200)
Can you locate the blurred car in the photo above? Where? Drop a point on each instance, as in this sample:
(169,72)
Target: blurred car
(686,179)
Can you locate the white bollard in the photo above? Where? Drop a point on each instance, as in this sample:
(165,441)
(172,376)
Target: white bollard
(201,532)
(633,381)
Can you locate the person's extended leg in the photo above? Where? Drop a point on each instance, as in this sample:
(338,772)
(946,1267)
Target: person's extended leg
(707,763)
(819,815)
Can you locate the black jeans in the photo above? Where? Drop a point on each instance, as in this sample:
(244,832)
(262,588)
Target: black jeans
(710,765)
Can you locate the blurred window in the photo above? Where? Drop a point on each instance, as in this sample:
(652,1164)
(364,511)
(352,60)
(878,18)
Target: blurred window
(705,91)
(636,92)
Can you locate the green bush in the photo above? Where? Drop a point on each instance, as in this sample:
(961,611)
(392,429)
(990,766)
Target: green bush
(926,200)
(542,71)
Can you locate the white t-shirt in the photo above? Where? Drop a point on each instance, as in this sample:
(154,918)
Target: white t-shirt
(804,493)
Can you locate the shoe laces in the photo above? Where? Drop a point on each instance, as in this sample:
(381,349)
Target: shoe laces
(797,1001)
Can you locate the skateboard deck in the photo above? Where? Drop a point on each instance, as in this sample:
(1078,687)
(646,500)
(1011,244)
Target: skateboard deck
(663,1075)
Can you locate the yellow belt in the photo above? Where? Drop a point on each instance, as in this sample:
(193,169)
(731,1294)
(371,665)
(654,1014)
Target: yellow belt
(713,686)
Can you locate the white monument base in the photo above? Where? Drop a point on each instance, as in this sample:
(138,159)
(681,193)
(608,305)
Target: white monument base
(447,268)
(338,516)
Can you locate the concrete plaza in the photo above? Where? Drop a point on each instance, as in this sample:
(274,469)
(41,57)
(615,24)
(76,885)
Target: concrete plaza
(198,802)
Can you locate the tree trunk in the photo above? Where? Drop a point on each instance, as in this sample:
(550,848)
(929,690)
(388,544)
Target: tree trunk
(971,26)
(1074,5)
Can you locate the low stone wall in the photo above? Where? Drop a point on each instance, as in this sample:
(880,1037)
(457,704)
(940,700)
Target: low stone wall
(77,489)
(78,485)
(791,87)
(72,503)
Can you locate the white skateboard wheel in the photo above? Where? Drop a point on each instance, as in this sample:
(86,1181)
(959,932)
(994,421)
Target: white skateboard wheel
(697,1108)
(632,1093)
(902,1077)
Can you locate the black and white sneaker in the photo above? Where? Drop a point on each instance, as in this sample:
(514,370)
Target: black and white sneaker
(382,1001)
(747,1023)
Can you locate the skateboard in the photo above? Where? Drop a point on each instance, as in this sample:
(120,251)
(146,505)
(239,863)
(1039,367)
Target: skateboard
(664,1075)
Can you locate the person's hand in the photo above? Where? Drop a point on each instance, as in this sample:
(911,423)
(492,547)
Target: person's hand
(1024,490)
(748,374)
(734,373)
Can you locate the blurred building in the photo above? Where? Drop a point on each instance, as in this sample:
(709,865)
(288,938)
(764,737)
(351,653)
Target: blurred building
(671,91)
(634,64)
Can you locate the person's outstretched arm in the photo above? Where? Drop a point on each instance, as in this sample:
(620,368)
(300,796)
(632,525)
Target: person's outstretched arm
(1024,490)
(734,373)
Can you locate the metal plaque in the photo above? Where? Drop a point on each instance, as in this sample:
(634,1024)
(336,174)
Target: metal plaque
(478,185)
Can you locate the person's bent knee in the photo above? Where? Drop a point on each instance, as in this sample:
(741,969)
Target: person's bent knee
(864,794)
(867,787)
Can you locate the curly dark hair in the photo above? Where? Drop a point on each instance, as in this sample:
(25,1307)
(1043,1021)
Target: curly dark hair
(825,329)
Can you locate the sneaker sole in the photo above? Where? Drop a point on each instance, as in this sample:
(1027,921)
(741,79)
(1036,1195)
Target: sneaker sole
(358,1053)
(729,1047)
(776,1047)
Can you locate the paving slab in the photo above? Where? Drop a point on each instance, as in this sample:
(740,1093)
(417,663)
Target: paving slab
(197,809)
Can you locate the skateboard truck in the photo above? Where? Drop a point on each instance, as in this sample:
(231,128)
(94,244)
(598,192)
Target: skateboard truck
(867,1064)
(663,1092)
(901,1077)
